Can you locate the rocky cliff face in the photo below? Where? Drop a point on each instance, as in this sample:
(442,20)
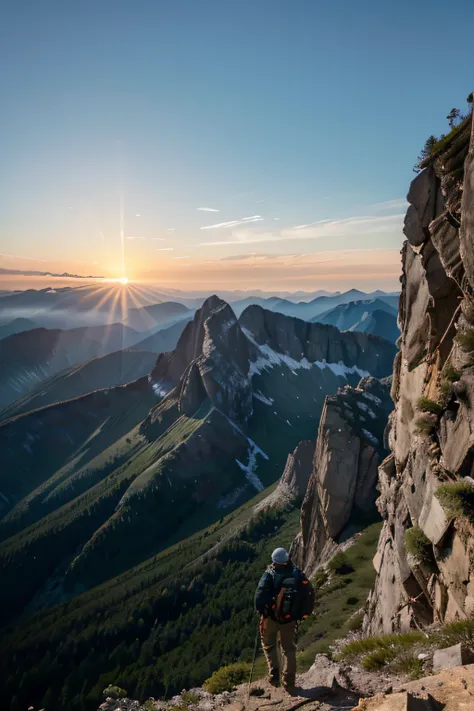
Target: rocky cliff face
(432,428)
(344,474)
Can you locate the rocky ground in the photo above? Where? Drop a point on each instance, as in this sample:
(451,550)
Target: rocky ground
(327,686)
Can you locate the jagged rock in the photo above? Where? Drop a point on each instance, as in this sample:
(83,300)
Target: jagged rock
(344,468)
(294,481)
(435,301)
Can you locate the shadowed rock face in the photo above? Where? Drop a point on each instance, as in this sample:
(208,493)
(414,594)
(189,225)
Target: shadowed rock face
(435,305)
(344,475)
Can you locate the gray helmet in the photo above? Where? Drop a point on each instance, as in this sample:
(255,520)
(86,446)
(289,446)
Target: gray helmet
(280,556)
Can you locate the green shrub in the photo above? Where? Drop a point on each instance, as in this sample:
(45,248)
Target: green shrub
(465,339)
(457,499)
(340,565)
(425,423)
(378,658)
(115,692)
(426,405)
(418,544)
(227,678)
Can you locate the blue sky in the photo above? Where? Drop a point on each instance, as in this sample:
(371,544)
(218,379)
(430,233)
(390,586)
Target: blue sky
(290,113)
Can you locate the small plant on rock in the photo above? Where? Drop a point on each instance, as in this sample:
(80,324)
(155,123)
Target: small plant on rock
(426,405)
(418,544)
(115,692)
(450,373)
(425,423)
(457,499)
(465,340)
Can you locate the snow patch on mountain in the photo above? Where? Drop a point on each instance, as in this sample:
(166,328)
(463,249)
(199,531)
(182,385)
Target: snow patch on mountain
(263,398)
(270,358)
(250,469)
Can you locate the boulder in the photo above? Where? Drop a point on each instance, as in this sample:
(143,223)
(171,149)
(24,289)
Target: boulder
(454,656)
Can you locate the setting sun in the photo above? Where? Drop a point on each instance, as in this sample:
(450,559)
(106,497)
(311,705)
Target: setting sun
(123,280)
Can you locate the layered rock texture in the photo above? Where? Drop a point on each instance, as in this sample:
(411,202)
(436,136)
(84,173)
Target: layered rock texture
(432,427)
(342,486)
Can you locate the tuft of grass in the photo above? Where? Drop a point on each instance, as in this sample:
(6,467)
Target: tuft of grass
(450,373)
(426,405)
(418,544)
(227,678)
(425,423)
(378,658)
(457,499)
(445,389)
(455,632)
(364,646)
(409,665)
(465,340)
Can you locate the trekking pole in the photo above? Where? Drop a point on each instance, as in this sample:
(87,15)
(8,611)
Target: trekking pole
(257,636)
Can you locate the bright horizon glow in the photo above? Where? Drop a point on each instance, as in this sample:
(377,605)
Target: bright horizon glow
(123,280)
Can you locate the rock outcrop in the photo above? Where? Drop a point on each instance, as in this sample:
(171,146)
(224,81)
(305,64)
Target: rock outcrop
(342,484)
(432,427)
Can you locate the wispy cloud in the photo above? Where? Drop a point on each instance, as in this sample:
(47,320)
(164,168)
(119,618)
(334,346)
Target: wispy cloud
(322,229)
(397,204)
(165,249)
(186,257)
(137,214)
(128,237)
(237,257)
(171,229)
(159,239)
(233,223)
(207,209)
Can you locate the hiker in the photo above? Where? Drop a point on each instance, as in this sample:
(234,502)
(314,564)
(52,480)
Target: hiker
(284,596)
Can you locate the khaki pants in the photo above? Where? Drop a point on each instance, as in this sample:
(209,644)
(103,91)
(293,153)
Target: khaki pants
(269,630)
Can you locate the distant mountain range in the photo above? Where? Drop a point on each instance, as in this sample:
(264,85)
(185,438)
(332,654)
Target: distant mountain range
(94,485)
(29,357)
(376,316)
(108,371)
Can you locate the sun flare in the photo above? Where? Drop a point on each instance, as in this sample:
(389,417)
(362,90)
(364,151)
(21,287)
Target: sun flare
(123,281)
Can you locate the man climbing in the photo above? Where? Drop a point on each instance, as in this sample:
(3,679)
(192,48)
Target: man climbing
(284,596)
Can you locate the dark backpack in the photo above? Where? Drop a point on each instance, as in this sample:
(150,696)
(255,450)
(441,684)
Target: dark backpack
(295,600)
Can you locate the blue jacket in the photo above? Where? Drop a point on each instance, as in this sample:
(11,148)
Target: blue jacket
(270,585)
